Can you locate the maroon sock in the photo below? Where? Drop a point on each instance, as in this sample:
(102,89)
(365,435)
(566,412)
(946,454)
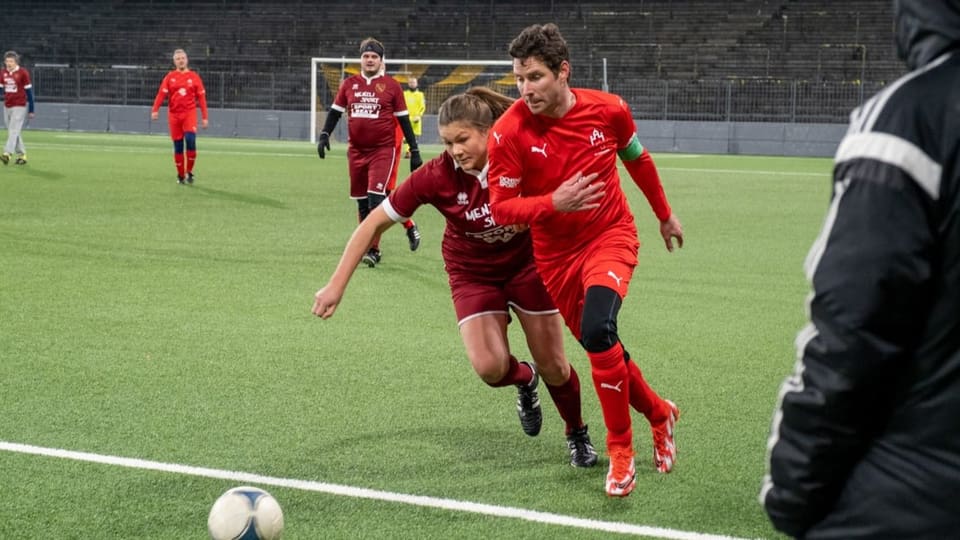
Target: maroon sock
(567,399)
(518,373)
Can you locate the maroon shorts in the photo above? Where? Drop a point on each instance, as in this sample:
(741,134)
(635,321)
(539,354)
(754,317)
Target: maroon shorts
(181,123)
(523,291)
(370,169)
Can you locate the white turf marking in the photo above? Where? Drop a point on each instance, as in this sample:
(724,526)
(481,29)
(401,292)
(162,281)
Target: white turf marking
(363,493)
(736,171)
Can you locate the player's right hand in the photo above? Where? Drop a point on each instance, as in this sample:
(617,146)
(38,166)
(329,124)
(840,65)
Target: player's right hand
(325,302)
(323,143)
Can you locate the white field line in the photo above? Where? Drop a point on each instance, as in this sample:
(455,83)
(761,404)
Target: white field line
(363,493)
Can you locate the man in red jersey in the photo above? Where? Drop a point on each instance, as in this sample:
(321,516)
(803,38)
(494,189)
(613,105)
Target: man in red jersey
(374,104)
(18,104)
(184,89)
(490,269)
(553,166)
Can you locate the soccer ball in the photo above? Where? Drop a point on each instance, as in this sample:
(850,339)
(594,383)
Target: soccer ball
(245,513)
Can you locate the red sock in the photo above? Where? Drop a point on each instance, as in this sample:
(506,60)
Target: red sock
(642,397)
(408,223)
(191,159)
(611,381)
(178,159)
(517,373)
(567,399)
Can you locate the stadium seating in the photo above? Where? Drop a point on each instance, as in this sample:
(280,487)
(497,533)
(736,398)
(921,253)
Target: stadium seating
(643,40)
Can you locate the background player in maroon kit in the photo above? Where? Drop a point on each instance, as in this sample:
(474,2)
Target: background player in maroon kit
(374,104)
(490,269)
(17,103)
(183,89)
(585,239)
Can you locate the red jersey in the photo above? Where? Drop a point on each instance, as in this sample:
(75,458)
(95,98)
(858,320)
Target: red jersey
(184,89)
(372,106)
(531,155)
(473,243)
(15,85)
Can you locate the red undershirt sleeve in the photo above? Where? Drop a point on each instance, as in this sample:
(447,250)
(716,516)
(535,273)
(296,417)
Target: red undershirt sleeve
(644,174)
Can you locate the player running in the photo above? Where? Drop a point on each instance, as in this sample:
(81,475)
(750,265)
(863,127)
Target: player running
(553,165)
(490,270)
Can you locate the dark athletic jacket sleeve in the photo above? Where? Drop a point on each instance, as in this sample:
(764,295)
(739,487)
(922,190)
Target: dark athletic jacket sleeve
(872,274)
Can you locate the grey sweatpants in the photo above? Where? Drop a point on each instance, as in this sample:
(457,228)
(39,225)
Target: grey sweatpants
(14,117)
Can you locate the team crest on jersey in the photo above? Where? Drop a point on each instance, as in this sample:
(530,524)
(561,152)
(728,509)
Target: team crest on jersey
(381,87)
(355,86)
(462,199)
(596,136)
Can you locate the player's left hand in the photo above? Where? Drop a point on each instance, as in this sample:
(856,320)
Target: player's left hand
(415,160)
(204,123)
(671,229)
(578,193)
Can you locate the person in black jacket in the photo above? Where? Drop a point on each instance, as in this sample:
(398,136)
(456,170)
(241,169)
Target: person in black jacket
(865,441)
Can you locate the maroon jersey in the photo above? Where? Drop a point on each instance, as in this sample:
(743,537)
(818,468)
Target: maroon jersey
(372,106)
(15,85)
(473,242)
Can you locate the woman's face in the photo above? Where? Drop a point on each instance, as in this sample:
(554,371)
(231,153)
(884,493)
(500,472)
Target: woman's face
(466,144)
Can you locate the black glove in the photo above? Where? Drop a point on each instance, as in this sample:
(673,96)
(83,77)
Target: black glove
(415,161)
(323,141)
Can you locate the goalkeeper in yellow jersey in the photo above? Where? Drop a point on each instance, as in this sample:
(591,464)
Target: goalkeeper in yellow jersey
(417,106)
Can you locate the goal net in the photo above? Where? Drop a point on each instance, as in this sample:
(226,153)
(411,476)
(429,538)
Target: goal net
(437,79)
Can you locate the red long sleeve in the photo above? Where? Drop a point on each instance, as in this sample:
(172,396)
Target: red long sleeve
(644,174)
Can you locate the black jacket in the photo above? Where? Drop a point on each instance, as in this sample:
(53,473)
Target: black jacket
(865,442)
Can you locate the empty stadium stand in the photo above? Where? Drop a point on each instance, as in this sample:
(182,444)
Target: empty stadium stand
(255,53)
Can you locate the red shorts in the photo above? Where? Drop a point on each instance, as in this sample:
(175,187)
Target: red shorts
(394,172)
(609,261)
(181,123)
(524,291)
(370,169)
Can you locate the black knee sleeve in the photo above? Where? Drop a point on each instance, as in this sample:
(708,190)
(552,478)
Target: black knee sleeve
(363,209)
(375,199)
(598,326)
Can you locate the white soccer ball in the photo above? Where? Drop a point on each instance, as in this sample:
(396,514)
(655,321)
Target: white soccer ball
(245,513)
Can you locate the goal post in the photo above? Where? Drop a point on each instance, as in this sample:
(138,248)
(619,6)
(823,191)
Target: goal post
(438,79)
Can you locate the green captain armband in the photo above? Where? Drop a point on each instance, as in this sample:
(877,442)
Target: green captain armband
(632,150)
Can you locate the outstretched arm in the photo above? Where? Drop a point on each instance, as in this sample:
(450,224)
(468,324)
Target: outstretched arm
(328,297)
(644,173)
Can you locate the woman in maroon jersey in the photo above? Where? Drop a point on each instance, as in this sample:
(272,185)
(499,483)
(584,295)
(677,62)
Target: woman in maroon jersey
(490,269)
